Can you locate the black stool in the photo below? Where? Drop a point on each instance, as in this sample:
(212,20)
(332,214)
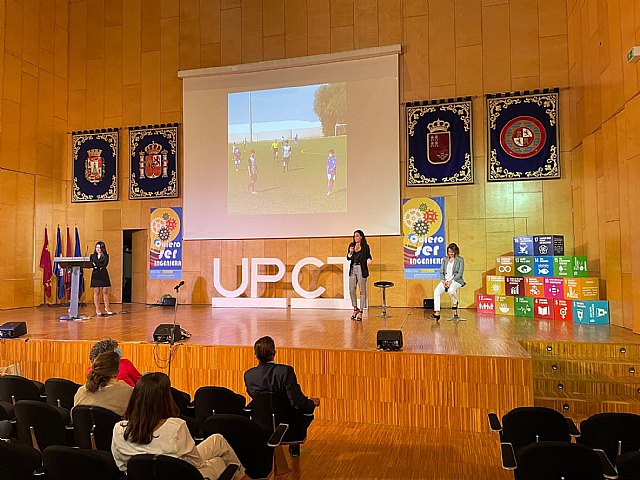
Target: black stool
(456,317)
(384,285)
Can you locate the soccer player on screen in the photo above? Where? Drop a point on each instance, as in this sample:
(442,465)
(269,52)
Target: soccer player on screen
(236,156)
(295,140)
(252,168)
(286,155)
(332,167)
(244,144)
(274,149)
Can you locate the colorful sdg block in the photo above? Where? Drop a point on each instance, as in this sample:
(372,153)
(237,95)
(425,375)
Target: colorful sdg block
(534,287)
(554,287)
(523,266)
(504,305)
(591,312)
(543,266)
(495,285)
(582,288)
(523,306)
(514,286)
(570,266)
(552,245)
(523,246)
(563,310)
(543,308)
(485,303)
(504,266)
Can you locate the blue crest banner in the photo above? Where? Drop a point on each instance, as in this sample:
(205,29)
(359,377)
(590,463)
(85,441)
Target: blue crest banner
(439,143)
(153,153)
(95,165)
(523,136)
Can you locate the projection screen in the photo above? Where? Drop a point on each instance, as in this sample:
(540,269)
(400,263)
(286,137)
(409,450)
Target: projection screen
(293,148)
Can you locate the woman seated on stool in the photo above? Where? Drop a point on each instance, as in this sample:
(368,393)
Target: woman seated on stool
(451,278)
(151,426)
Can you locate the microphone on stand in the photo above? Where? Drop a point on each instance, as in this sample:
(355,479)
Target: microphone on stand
(177,287)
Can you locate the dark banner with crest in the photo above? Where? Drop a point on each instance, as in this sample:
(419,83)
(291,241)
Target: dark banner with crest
(439,143)
(153,152)
(95,165)
(523,136)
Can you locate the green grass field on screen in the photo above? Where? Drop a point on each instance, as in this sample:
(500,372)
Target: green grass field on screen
(301,189)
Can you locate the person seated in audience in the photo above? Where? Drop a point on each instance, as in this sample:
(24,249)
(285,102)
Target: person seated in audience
(128,373)
(103,389)
(271,377)
(151,426)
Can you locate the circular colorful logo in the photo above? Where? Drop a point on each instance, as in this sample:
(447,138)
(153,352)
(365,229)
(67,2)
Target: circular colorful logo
(523,137)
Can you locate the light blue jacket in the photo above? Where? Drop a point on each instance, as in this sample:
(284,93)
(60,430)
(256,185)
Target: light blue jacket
(458,269)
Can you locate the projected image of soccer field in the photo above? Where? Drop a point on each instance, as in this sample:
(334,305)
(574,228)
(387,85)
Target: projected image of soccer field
(287,151)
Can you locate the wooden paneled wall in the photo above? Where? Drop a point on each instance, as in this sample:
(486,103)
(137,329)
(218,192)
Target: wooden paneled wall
(124,56)
(420,390)
(123,59)
(605,147)
(33,148)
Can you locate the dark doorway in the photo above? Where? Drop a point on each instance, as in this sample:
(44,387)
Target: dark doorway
(127,264)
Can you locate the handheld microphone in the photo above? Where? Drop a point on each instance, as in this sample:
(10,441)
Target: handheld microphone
(177,287)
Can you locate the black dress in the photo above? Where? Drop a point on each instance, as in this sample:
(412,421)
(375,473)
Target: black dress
(100,275)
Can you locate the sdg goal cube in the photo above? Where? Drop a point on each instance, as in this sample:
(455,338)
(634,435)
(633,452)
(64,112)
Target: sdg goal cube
(523,306)
(495,285)
(543,308)
(563,310)
(523,266)
(504,305)
(543,266)
(548,245)
(523,246)
(485,303)
(591,312)
(504,266)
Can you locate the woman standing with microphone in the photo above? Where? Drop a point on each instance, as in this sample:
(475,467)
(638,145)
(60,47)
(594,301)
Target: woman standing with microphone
(100,281)
(359,256)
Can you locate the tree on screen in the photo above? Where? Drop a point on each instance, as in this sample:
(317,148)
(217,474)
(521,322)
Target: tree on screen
(330,104)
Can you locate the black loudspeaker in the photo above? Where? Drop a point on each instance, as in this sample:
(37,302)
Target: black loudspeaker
(389,339)
(13,329)
(168,301)
(165,331)
(427,303)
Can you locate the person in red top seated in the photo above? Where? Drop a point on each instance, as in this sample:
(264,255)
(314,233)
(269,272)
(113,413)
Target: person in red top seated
(128,372)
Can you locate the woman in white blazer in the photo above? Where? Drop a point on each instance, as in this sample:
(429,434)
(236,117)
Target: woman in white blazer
(450,278)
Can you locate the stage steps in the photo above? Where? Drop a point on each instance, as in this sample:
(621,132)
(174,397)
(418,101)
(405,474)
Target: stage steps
(581,379)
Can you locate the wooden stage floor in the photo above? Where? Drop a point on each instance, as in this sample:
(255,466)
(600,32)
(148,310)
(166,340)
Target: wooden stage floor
(479,335)
(419,413)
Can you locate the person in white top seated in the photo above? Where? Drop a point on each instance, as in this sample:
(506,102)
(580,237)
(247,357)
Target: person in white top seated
(151,426)
(103,389)
(451,280)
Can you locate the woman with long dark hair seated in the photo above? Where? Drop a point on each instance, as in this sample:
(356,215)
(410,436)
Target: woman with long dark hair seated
(103,389)
(151,426)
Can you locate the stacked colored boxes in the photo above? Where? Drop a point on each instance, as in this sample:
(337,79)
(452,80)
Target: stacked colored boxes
(541,281)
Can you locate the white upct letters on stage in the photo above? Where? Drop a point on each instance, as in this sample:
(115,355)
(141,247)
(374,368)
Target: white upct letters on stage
(309,299)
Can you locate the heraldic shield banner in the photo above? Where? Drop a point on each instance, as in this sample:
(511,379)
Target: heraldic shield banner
(439,143)
(523,136)
(153,153)
(423,237)
(95,165)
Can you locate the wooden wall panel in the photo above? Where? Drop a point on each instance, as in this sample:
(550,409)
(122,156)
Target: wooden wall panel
(418,390)
(603,108)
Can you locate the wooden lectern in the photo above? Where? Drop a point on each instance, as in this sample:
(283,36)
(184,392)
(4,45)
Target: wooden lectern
(75,264)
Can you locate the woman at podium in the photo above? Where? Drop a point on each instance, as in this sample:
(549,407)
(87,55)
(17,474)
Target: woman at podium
(100,281)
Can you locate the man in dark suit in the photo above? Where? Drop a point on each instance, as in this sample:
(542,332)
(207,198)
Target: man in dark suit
(271,377)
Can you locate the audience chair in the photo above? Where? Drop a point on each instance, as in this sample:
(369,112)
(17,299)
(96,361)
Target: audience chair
(523,426)
(628,465)
(558,460)
(41,425)
(14,388)
(183,401)
(250,440)
(64,463)
(615,433)
(93,427)
(273,410)
(162,467)
(18,461)
(217,400)
(60,392)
